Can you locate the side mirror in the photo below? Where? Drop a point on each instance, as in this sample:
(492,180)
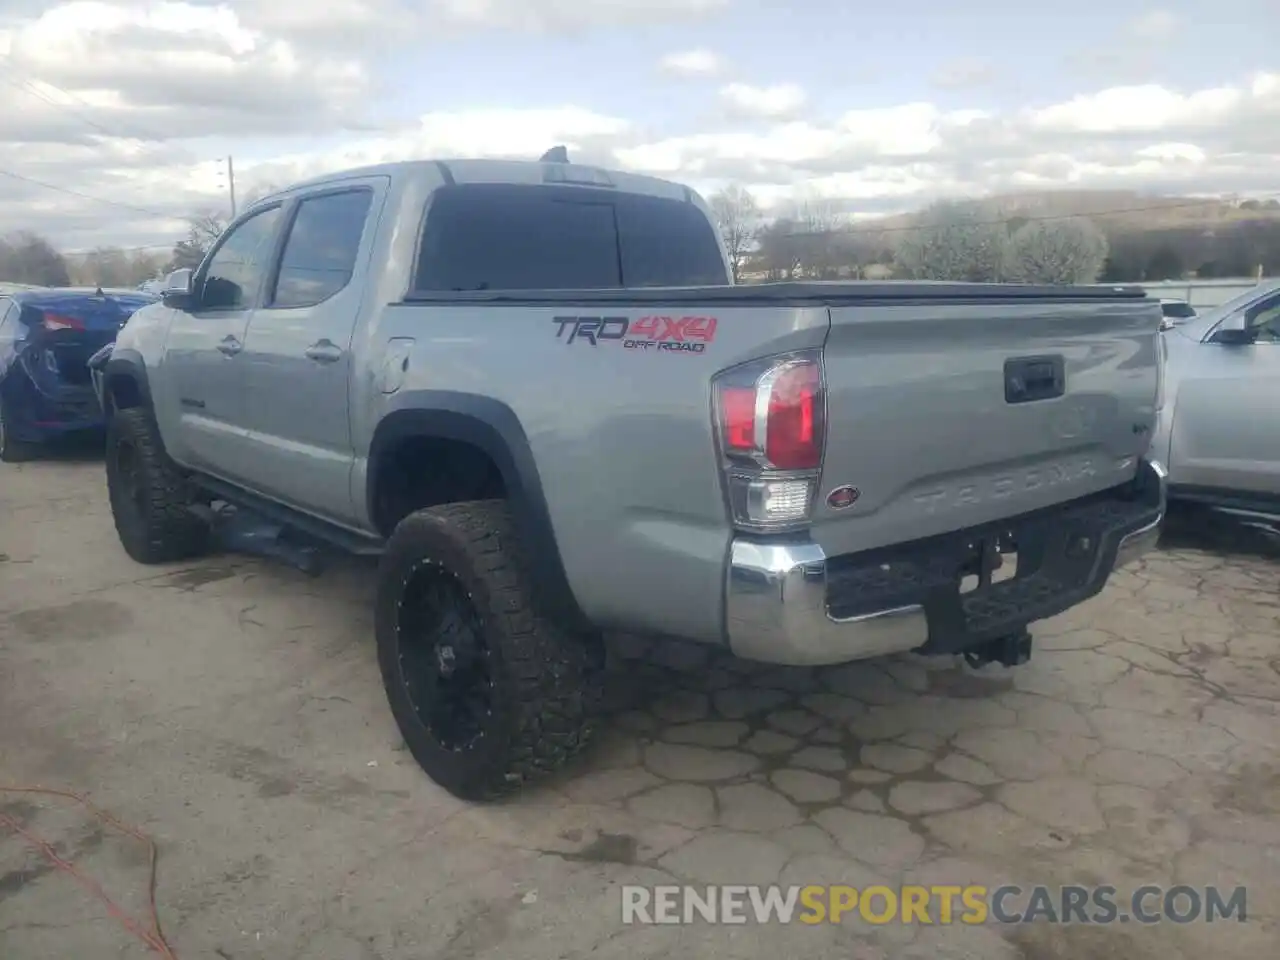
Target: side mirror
(1235,336)
(178,287)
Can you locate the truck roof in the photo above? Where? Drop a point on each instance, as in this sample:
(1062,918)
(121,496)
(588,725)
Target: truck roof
(476,170)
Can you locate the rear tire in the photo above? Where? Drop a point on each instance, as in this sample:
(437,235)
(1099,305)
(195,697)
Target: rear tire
(487,694)
(150,499)
(12,450)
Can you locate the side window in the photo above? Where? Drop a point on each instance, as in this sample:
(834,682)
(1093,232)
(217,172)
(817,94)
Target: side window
(1264,319)
(238,265)
(5,306)
(320,253)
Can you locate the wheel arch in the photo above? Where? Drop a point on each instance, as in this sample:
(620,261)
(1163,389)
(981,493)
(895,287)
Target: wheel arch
(124,381)
(491,427)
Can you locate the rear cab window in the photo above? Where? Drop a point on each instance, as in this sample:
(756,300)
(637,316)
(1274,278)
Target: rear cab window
(486,236)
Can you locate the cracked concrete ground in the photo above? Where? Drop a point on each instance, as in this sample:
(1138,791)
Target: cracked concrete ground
(231,708)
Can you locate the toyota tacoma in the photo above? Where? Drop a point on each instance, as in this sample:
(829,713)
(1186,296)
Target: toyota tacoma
(531,390)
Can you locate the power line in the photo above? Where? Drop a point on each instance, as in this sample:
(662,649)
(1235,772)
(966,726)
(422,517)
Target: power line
(22,84)
(26,85)
(85,196)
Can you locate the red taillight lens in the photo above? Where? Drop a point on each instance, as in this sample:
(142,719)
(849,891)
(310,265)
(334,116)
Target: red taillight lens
(794,436)
(790,434)
(739,411)
(771,420)
(55,321)
(770,417)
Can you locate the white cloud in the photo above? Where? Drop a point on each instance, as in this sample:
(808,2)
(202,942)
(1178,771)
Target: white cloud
(562,15)
(780,100)
(168,69)
(698,62)
(1150,108)
(290,86)
(515,134)
(339,21)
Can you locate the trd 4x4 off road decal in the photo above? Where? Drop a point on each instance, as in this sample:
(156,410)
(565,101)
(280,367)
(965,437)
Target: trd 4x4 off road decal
(664,334)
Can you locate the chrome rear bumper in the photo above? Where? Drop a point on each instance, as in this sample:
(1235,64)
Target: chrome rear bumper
(777,609)
(1144,539)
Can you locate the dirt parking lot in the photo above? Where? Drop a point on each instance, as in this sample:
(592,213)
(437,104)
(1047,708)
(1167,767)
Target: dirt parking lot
(231,709)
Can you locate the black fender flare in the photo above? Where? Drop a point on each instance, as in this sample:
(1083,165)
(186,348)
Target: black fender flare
(124,363)
(494,428)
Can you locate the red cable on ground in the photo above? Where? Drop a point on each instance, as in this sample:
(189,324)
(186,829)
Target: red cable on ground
(153,937)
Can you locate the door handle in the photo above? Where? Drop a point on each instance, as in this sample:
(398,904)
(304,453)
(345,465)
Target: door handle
(230,345)
(323,351)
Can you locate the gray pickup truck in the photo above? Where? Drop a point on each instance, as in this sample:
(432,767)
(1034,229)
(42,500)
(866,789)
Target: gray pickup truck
(532,391)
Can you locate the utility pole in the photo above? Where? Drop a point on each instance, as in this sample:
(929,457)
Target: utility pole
(231,183)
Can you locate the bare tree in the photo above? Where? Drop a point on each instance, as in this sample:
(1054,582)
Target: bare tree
(103,267)
(738,216)
(146,265)
(1056,251)
(202,230)
(779,247)
(819,246)
(952,240)
(114,267)
(27,257)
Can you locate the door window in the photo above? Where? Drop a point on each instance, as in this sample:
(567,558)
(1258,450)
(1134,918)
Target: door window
(236,268)
(320,253)
(1264,320)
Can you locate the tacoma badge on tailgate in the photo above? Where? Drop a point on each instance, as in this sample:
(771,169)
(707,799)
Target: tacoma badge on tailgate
(1004,485)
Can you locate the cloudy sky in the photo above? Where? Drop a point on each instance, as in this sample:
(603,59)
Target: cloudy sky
(114,112)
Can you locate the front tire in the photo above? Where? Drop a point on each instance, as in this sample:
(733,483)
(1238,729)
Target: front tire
(487,694)
(150,499)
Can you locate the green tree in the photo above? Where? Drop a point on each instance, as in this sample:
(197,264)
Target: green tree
(1165,264)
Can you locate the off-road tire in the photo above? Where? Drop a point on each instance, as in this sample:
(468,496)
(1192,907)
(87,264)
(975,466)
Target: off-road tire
(545,680)
(157,525)
(11,450)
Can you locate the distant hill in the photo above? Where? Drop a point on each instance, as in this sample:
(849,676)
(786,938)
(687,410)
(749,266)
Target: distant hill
(1151,237)
(1123,211)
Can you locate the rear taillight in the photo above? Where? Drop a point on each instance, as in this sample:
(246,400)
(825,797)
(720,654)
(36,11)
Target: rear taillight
(771,425)
(55,321)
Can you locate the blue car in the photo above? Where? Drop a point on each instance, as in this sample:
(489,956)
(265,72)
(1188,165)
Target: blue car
(46,339)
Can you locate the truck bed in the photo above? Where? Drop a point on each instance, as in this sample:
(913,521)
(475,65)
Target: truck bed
(918,413)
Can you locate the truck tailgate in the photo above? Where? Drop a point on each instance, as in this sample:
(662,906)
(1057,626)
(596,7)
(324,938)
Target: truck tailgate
(944,416)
